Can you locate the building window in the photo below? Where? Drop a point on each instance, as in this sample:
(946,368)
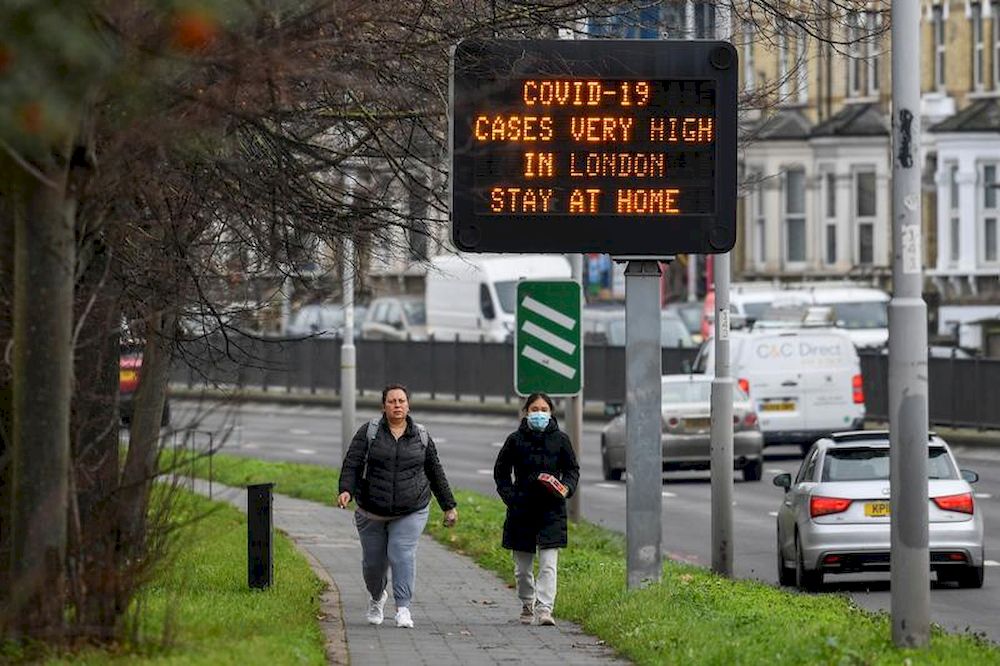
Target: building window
(866,207)
(802,65)
(937,18)
(704,21)
(978,46)
(795,221)
(783,67)
(749,33)
(760,221)
(830,183)
(995,9)
(990,213)
(831,244)
(855,64)
(874,22)
(954,232)
(675,20)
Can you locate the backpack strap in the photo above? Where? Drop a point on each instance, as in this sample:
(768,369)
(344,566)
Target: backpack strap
(370,437)
(422,432)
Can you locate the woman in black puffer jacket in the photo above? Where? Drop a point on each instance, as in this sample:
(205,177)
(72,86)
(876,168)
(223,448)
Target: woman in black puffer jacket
(545,473)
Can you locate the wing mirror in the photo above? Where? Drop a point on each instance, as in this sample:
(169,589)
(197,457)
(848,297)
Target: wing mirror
(783,481)
(969,475)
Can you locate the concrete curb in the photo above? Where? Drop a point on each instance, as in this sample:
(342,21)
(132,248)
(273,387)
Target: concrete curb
(332,619)
(969,437)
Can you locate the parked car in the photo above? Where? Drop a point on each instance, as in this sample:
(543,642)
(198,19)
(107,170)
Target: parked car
(805,384)
(690,313)
(395,318)
(834,518)
(686,439)
(606,325)
(129,369)
(323,321)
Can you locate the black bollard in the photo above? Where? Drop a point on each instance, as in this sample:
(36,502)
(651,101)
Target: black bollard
(260,533)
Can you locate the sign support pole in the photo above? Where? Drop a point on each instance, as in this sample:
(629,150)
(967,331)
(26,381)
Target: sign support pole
(643,424)
(909,556)
(574,411)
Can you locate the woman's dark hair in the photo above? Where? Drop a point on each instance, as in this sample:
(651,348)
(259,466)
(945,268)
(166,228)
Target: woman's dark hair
(535,396)
(395,387)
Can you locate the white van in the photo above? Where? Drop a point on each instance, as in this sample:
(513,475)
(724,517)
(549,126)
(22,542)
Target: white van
(863,313)
(473,295)
(805,384)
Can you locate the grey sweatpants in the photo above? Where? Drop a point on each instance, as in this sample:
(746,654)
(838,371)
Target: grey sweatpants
(543,590)
(390,543)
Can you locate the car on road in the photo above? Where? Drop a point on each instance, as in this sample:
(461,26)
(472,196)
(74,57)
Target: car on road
(323,320)
(395,318)
(686,438)
(690,313)
(834,517)
(606,326)
(129,368)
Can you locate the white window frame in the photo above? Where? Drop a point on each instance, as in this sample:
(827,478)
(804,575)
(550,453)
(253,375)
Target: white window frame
(758,218)
(939,38)
(855,69)
(802,64)
(873,23)
(978,44)
(749,76)
(788,217)
(782,64)
(954,218)
(859,219)
(829,215)
(995,16)
(992,213)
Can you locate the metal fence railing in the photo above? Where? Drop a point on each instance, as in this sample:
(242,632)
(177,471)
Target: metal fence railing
(964,392)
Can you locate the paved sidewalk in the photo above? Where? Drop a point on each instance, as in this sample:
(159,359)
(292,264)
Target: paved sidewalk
(463,613)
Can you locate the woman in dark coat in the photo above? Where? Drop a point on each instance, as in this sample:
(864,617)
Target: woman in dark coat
(545,473)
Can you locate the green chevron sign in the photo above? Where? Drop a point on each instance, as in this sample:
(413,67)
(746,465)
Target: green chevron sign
(548,340)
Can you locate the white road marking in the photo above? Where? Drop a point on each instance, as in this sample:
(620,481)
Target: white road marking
(497,445)
(549,362)
(984,495)
(485,472)
(667,493)
(773,513)
(991,563)
(306,452)
(298,431)
(533,329)
(440,440)
(549,313)
(609,485)
(248,446)
(775,470)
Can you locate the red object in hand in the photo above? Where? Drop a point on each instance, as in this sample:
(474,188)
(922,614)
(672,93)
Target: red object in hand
(553,484)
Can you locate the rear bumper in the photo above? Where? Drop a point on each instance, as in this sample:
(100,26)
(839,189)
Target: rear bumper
(695,451)
(866,547)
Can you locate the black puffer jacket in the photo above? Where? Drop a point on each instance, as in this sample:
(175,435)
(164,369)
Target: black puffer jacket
(535,515)
(401,474)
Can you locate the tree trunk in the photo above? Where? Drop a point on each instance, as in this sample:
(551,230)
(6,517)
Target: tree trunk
(147,410)
(93,572)
(43,366)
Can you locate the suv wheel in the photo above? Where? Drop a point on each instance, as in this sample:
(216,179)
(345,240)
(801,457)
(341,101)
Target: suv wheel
(786,575)
(805,579)
(753,470)
(610,474)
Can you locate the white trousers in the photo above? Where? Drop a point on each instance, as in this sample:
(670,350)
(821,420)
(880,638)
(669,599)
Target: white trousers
(543,590)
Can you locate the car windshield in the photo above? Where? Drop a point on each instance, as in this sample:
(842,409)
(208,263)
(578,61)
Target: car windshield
(694,391)
(755,310)
(416,314)
(870,314)
(691,315)
(872,464)
(507,295)
(673,333)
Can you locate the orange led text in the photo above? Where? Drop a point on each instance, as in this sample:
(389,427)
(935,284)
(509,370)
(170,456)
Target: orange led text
(602,129)
(584,201)
(520,200)
(513,128)
(682,130)
(584,93)
(539,165)
(617,165)
(648,202)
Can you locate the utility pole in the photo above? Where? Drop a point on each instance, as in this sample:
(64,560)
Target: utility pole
(574,407)
(643,424)
(692,273)
(348,396)
(722,403)
(909,557)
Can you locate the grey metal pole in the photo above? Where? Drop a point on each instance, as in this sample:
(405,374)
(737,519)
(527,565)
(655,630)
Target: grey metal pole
(348,395)
(643,424)
(909,558)
(692,271)
(574,409)
(722,402)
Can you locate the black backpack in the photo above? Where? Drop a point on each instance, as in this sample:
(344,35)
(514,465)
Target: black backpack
(370,437)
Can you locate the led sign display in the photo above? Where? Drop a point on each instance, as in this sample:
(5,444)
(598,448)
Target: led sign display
(627,147)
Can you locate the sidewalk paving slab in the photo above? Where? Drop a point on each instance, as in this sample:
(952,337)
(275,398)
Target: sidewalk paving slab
(463,614)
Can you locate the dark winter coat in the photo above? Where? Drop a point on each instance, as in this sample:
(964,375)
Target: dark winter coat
(536,517)
(401,474)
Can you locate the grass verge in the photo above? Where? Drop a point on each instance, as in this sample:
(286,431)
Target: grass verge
(199,610)
(692,617)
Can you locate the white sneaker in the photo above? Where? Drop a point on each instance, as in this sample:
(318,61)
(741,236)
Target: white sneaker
(376,608)
(403,618)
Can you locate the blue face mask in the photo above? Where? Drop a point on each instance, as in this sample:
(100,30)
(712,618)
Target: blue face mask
(538,420)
